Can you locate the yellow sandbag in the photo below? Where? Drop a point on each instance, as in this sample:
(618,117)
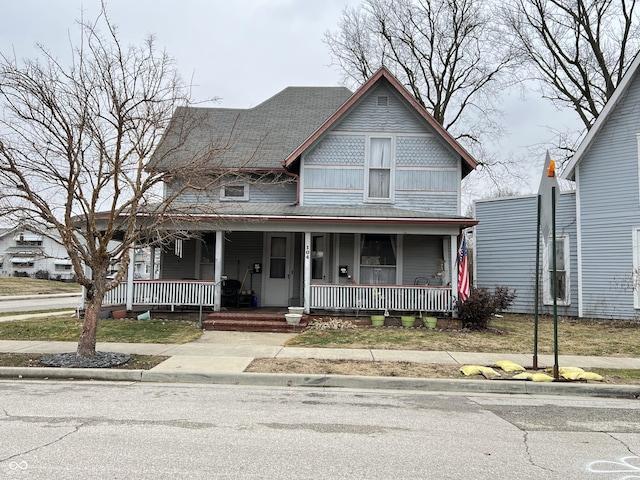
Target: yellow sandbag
(522,376)
(469,370)
(562,370)
(590,376)
(509,366)
(541,377)
(487,372)
(570,374)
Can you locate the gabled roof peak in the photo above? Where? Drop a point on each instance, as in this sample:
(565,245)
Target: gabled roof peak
(379,75)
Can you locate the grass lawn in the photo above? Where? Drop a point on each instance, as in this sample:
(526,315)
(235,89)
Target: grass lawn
(509,334)
(10,286)
(66,329)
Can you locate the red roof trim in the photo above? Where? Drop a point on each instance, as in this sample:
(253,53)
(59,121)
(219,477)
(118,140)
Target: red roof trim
(382,73)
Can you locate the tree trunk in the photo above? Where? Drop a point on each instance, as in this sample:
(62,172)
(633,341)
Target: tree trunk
(87,341)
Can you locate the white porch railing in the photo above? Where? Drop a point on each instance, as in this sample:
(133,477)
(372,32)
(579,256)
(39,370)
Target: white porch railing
(170,293)
(417,298)
(401,298)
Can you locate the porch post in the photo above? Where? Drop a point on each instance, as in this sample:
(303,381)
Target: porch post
(454,271)
(152,266)
(307,273)
(217,274)
(132,266)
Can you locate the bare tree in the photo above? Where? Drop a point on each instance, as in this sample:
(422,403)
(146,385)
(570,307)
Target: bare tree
(76,146)
(577,50)
(444,51)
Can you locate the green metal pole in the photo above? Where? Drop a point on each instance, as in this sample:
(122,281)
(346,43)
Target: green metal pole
(555,293)
(537,297)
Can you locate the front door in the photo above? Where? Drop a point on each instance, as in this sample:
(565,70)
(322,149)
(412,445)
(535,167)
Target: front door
(277,288)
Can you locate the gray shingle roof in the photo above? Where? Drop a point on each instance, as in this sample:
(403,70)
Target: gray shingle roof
(256,138)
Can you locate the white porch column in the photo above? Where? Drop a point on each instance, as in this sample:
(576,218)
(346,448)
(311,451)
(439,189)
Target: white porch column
(307,273)
(454,271)
(132,266)
(217,274)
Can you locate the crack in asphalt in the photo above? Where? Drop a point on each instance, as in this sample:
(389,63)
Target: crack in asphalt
(622,443)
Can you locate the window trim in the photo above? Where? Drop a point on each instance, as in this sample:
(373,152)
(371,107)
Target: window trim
(367,169)
(243,198)
(547,298)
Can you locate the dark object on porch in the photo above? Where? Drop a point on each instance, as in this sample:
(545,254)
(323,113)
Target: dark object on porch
(231,293)
(421,281)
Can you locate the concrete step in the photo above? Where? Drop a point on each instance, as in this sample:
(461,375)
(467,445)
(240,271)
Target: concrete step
(252,321)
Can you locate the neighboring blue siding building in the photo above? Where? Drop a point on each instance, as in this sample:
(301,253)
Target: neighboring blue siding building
(505,252)
(604,276)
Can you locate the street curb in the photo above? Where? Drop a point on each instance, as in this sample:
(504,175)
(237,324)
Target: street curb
(71,373)
(331,381)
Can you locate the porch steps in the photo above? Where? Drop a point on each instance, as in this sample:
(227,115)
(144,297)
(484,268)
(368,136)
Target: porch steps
(252,321)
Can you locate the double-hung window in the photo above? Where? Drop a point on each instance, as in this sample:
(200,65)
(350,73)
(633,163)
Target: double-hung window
(379,177)
(378,259)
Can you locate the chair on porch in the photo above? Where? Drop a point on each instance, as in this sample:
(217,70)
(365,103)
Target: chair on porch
(421,281)
(231,293)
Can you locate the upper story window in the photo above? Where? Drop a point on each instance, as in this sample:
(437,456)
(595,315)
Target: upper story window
(28,240)
(235,193)
(383,101)
(379,171)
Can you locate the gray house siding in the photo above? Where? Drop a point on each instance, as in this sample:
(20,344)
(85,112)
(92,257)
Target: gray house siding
(505,248)
(426,173)
(260,191)
(421,258)
(174,267)
(609,210)
(369,116)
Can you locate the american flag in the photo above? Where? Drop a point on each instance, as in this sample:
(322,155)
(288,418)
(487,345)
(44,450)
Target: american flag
(463,271)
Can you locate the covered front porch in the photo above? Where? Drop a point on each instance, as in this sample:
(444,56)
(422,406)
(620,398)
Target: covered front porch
(348,265)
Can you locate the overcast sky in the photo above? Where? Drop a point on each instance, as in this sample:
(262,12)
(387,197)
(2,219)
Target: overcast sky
(242,51)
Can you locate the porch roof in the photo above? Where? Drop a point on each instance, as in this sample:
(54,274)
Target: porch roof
(336,214)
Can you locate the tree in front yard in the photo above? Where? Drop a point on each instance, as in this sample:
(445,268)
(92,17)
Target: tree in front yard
(76,144)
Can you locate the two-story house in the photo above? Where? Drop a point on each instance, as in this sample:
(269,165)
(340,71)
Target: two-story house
(338,200)
(598,224)
(26,252)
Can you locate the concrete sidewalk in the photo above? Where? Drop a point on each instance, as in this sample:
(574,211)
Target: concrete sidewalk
(222,357)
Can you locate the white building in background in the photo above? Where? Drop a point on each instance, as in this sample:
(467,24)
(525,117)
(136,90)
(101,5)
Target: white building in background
(26,253)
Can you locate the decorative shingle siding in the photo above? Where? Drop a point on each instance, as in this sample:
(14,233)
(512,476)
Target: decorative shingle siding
(505,248)
(337,150)
(423,151)
(609,209)
(368,116)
